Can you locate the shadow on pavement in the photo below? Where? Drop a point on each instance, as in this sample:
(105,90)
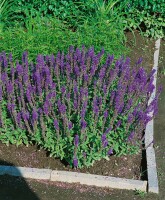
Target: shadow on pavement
(15,188)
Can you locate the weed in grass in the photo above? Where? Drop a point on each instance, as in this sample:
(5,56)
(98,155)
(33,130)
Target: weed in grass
(140,193)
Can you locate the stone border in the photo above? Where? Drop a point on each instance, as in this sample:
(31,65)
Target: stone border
(98,180)
(149,135)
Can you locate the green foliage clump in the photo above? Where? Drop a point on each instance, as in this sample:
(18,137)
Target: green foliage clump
(48,35)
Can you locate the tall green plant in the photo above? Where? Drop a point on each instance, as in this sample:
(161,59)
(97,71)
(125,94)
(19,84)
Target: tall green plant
(5,11)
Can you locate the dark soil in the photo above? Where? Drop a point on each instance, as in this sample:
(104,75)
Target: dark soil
(141,47)
(125,166)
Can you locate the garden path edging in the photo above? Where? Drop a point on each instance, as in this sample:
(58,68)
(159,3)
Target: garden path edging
(149,135)
(98,180)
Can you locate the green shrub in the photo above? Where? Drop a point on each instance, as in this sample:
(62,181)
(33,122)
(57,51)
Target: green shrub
(148,16)
(75,106)
(48,35)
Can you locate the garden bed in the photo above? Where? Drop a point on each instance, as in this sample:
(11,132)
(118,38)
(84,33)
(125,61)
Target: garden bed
(131,167)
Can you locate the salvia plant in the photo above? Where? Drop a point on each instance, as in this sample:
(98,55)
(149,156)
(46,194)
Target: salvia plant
(79,106)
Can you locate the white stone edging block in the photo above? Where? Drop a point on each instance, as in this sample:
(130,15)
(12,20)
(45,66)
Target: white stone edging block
(98,180)
(149,134)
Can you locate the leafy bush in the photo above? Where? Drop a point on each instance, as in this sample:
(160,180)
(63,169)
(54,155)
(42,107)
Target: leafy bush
(48,35)
(156,6)
(148,16)
(76,105)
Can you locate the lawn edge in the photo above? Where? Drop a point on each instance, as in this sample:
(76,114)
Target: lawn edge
(149,134)
(99,180)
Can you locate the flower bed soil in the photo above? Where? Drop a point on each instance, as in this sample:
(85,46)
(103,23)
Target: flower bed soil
(126,166)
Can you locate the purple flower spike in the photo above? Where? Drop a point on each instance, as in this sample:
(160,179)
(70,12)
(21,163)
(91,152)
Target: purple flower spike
(83,124)
(130,137)
(75,162)
(76,140)
(62,109)
(0,93)
(19,69)
(63,89)
(103,137)
(86,77)
(84,154)
(110,151)
(25,115)
(104,140)
(118,123)
(10,87)
(108,130)
(139,61)
(106,114)
(130,118)
(18,117)
(70,125)
(34,115)
(75,105)
(56,125)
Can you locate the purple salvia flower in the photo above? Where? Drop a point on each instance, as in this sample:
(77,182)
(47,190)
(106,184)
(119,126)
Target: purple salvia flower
(28,95)
(108,130)
(56,124)
(5,62)
(100,101)
(10,58)
(46,108)
(135,111)
(84,154)
(86,77)
(91,52)
(75,88)
(130,137)
(10,87)
(63,89)
(139,61)
(106,114)
(25,116)
(130,118)
(10,106)
(152,73)
(75,104)
(104,140)
(4,77)
(82,114)
(83,124)
(68,96)
(70,125)
(0,92)
(76,140)
(105,143)
(62,108)
(129,104)
(92,71)
(71,49)
(110,151)
(75,162)
(34,115)
(120,108)
(77,70)
(18,118)
(96,110)
(102,74)
(118,123)
(19,69)
(105,89)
